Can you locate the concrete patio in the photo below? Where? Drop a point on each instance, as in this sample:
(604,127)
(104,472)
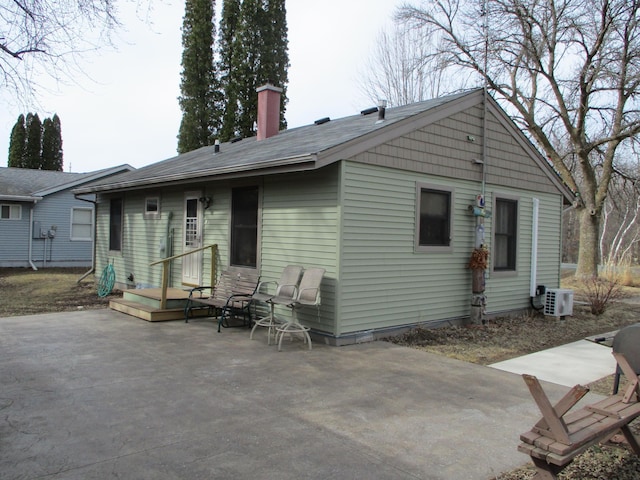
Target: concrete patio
(99,394)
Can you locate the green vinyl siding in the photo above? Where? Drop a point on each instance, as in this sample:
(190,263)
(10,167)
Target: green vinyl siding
(384,282)
(510,290)
(300,226)
(146,240)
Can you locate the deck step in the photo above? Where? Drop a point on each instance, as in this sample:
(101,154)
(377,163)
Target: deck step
(146,312)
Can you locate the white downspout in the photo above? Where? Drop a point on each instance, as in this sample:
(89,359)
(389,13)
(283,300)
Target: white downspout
(95,235)
(33,266)
(534,247)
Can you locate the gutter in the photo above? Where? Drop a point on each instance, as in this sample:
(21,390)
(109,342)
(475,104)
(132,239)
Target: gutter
(33,266)
(21,198)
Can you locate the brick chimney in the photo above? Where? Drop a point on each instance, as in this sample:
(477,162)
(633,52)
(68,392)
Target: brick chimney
(268,111)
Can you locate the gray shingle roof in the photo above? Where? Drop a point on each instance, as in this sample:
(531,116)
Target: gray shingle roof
(24,181)
(289,148)
(27,183)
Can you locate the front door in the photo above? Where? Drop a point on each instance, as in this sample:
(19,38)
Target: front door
(192,239)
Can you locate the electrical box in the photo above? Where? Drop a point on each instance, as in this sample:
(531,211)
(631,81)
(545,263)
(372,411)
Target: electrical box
(38,231)
(558,302)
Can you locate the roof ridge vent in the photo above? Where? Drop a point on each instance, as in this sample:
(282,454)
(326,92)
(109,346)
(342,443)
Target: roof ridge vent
(320,121)
(235,140)
(368,111)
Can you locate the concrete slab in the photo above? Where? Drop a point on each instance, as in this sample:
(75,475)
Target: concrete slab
(579,362)
(99,394)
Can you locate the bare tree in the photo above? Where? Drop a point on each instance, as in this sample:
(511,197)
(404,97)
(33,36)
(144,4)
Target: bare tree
(620,232)
(403,69)
(568,70)
(47,38)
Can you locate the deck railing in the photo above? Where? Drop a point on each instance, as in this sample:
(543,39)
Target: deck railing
(165,269)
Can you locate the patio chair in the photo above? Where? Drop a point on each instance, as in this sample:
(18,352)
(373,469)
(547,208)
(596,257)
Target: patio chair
(307,295)
(627,342)
(285,287)
(230,297)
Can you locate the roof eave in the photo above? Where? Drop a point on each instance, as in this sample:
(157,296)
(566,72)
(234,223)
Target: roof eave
(86,179)
(21,198)
(282,165)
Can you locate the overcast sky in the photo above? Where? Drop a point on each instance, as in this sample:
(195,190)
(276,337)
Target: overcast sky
(127,112)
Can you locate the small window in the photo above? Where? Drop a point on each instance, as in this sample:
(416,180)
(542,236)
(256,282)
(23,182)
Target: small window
(115,224)
(505,235)
(434,219)
(152,207)
(81,224)
(10,212)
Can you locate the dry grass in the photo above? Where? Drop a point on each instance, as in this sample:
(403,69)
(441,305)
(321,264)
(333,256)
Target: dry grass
(25,292)
(508,337)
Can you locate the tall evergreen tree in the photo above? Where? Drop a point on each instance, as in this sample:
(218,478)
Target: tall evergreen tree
(253,51)
(17,144)
(198,79)
(274,57)
(247,49)
(34,141)
(51,144)
(58,157)
(227,68)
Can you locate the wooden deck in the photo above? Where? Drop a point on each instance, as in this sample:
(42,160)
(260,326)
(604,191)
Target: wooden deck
(144,303)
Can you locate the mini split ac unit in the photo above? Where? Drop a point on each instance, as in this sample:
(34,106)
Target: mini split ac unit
(558,302)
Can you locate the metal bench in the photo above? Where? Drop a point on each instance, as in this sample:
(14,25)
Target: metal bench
(558,437)
(229,298)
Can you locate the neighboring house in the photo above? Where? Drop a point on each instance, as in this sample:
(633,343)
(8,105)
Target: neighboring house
(382,200)
(42,224)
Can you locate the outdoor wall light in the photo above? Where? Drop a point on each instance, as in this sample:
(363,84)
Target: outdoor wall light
(206,202)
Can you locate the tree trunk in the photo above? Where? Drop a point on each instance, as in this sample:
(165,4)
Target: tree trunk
(588,248)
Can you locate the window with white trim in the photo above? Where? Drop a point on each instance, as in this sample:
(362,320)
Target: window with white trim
(81,224)
(10,212)
(152,207)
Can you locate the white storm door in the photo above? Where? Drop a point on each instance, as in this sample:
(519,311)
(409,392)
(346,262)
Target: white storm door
(192,239)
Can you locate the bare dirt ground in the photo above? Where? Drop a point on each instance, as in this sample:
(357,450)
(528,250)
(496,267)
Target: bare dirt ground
(25,292)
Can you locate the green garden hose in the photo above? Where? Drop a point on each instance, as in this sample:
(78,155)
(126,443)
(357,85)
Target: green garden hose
(107,280)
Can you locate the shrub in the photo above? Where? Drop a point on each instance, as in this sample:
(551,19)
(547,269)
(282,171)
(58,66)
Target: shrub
(599,292)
